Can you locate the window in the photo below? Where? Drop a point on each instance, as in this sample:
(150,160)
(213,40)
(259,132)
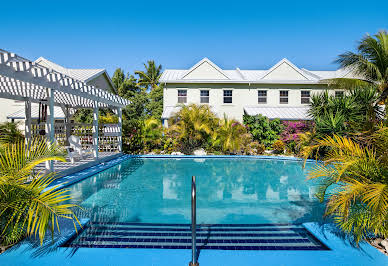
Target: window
(305,97)
(182,96)
(262,96)
(284,97)
(228,96)
(204,96)
(339,94)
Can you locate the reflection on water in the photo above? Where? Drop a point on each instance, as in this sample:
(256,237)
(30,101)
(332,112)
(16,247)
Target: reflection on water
(228,191)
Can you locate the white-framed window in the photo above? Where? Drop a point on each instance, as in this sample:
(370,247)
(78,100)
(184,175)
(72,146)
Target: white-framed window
(228,96)
(283,99)
(182,96)
(204,96)
(304,97)
(339,94)
(261,96)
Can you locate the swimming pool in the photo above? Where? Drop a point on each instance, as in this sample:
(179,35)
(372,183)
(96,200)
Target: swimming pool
(229,191)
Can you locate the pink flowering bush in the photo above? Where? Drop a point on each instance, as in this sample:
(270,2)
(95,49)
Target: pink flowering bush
(292,129)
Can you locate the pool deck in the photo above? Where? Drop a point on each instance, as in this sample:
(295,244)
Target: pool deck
(340,253)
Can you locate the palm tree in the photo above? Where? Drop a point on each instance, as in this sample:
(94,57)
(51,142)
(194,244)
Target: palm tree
(370,62)
(230,135)
(192,126)
(27,205)
(358,177)
(151,133)
(150,77)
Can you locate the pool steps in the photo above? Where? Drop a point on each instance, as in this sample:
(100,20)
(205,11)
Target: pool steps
(213,236)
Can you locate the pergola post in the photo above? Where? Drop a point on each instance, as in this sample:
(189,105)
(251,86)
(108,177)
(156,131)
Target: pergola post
(50,123)
(67,125)
(120,126)
(27,125)
(95,130)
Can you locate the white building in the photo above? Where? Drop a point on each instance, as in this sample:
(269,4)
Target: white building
(283,91)
(11,110)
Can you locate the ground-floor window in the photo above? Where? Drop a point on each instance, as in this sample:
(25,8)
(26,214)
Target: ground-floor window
(339,94)
(182,96)
(284,97)
(262,96)
(204,96)
(305,97)
(228,96)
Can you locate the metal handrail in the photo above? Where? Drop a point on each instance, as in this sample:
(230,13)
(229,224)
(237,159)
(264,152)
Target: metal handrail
(193,223)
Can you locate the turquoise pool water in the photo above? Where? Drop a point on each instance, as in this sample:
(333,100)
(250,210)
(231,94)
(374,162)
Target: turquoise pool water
(238,190)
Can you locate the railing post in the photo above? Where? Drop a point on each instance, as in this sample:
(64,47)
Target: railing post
(193,223)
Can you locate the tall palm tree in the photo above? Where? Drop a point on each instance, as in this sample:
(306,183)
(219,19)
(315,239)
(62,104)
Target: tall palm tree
(27,205)
(370,61)
(358,178)
(150,77)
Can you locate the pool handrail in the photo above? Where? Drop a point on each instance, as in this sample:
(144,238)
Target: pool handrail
(194,261)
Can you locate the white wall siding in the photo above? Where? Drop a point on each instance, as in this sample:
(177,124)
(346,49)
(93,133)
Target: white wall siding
(243,95)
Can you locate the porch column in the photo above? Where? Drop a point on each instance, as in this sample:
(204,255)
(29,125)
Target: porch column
(120,126)
(50,124)
(27,122)
(95,130)
(67,125)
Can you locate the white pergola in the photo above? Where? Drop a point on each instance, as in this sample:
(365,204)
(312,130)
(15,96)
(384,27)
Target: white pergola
(24,80)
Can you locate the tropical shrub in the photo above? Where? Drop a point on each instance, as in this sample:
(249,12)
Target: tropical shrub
(262,129)
(152,134)
(357,111)
(9,133)
(255,148)
(132,136)
(27,207)
(278,146)
(192,127)
(230,136)
(359,174)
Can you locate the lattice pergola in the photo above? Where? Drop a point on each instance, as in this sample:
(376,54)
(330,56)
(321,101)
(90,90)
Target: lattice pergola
(24,80)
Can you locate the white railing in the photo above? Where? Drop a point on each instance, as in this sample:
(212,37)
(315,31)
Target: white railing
(108,139)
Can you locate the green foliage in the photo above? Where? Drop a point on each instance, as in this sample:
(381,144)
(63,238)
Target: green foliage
(262,129)
(278,146)
(370,62)
(359,202)
(230,136)
(152,134)
(154,106)
(9,133)
(357,111)
(192,126)
(29,208)
(150,77)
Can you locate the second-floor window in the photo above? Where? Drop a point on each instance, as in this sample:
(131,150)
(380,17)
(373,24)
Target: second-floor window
(204,96)
(305,97)
(339,94)
(283,97)
(182,96)
(228,96)
(262,96)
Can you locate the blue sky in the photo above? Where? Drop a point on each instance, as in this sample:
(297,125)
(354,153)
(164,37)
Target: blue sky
(177,34)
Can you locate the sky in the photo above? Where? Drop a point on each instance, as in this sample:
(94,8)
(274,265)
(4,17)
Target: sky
(177,34)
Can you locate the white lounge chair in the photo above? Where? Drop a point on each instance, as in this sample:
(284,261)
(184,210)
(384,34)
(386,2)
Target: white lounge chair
(75,149)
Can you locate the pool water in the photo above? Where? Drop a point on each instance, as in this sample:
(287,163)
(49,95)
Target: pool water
(238,190)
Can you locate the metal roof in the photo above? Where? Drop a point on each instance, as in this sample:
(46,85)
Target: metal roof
(80,74)
(282,113)
(169,111)
(252,76)
(21,114)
